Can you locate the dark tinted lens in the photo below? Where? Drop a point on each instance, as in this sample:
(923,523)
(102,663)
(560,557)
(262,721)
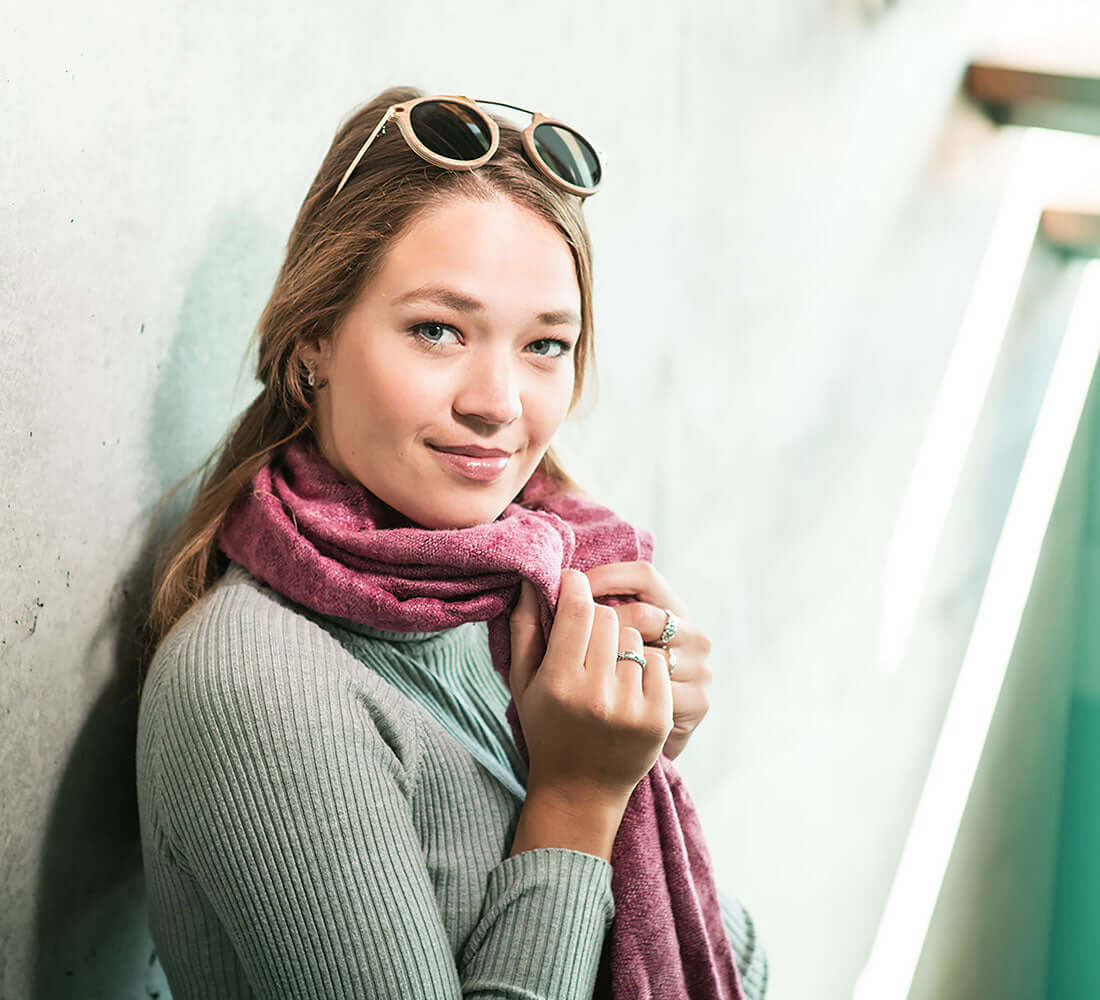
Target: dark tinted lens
(568,155)
(450,130)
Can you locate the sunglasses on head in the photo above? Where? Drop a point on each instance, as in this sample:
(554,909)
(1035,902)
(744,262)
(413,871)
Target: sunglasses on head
(452,132)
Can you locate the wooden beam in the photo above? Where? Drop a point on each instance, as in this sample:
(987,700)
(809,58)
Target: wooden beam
(1012,95)
(1076,232)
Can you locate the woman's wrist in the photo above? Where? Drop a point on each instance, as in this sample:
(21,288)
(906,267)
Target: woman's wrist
(580,822)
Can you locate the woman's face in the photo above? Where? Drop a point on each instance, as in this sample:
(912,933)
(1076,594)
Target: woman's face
(464,339)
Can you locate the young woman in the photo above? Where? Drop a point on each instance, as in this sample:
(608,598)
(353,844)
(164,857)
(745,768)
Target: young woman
(407,729)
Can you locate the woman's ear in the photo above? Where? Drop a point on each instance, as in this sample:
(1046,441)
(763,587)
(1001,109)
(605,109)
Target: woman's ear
(315,354)
(316,359)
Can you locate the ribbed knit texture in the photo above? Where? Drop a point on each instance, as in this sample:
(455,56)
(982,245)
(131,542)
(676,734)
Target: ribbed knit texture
(326,811)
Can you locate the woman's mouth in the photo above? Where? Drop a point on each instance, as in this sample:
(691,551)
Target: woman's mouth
(473,467)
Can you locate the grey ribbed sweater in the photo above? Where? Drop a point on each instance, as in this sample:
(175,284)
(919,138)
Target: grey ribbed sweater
(327,811)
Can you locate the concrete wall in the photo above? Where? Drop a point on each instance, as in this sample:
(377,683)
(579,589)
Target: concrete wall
(805,254)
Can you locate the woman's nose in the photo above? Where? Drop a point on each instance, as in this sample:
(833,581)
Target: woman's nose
(490,392)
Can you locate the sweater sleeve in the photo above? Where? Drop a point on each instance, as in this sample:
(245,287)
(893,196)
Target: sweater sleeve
(749,954)
(286,799)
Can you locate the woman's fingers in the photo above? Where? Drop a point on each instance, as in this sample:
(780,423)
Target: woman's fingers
(568,642)
(526,639)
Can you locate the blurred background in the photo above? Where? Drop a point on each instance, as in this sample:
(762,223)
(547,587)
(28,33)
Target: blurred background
(847,323)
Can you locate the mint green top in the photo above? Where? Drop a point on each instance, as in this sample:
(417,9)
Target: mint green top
(327,811)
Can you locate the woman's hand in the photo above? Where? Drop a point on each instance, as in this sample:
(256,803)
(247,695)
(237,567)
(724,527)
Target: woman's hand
(594,724)
(692,675)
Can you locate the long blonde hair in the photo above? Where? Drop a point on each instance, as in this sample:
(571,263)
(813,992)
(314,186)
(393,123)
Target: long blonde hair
(332,252)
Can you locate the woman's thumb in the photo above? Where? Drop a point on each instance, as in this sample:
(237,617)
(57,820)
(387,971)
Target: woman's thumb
(526,635)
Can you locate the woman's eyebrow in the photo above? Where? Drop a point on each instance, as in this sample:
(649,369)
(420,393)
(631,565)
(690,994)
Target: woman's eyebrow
(461,302)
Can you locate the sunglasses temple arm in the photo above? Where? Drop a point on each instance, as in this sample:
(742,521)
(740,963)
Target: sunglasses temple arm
(362,149)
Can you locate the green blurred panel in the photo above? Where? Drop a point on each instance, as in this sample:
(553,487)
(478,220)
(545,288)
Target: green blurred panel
(1074,970)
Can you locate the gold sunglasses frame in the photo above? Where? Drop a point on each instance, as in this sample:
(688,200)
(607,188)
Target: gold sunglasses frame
(400,113)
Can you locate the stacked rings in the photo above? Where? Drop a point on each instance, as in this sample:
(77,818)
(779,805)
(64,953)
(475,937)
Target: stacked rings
(671,623)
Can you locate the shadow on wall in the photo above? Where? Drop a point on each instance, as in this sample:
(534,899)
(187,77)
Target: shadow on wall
(91,934)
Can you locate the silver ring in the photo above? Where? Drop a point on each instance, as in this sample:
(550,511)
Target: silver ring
(671,660)
(671,622)
(629,654)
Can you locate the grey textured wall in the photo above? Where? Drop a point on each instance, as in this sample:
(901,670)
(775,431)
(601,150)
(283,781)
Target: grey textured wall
(777,296)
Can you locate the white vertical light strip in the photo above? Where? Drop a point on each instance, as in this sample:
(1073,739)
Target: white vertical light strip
(893,960)
(962,392)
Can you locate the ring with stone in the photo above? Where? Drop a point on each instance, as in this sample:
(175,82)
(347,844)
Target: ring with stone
(671,622)
(629,654)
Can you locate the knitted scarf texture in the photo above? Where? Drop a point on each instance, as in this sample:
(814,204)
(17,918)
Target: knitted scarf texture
(336,548)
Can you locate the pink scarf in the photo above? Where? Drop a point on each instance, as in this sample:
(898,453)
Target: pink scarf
(337,549)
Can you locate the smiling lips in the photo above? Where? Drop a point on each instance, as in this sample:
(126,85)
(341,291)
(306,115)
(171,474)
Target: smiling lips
(481,464)
(473,451)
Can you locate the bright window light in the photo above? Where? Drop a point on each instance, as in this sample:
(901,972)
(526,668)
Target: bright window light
(893,960)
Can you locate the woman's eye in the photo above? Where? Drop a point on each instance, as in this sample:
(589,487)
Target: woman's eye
(431,325)
(562,345)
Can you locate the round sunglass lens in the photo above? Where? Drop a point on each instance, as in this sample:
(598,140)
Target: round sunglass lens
(451,130)
(568,155)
